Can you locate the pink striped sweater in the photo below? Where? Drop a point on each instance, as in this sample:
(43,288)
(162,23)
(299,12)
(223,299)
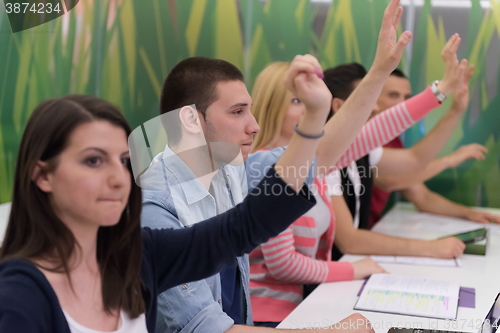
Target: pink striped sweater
(280,267)
(389,124)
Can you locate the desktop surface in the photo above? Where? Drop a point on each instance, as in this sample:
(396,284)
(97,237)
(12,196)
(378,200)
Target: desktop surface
(332,302)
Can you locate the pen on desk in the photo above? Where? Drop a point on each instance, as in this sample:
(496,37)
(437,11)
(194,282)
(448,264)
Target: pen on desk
(456,262)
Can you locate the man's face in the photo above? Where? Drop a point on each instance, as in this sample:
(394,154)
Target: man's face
(229,118)
(396,90)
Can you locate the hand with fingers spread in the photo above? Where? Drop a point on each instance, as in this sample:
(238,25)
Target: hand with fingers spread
(455,70)
(461,95)
(304,80)
(389,48)
(464,153)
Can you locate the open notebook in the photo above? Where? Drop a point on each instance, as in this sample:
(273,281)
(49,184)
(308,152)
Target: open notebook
(407,295)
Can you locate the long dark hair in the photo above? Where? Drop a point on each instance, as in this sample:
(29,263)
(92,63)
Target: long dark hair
(35,232)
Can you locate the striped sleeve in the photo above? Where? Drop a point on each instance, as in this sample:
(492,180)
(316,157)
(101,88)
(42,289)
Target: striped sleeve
(286,264)
(389,124)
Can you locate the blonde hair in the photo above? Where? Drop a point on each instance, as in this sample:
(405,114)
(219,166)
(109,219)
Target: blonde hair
(269,107)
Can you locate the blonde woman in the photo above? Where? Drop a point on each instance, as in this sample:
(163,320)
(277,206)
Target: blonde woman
(302,253)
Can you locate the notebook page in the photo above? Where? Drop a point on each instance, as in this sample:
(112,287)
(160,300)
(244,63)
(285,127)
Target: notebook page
(408,295)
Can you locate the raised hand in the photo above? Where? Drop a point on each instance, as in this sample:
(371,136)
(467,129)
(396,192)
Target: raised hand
(304,80)
(389,48)
(461,95)
(455,70)
(473,150)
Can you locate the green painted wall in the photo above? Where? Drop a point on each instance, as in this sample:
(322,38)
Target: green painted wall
(122,50)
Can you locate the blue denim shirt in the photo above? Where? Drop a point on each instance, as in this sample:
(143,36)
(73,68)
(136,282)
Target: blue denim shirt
(174,198)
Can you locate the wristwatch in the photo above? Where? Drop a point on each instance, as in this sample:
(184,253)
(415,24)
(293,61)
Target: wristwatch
(439,95)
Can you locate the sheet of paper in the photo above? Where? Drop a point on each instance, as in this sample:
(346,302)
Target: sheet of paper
(494,229)
(417,261)
(410,296)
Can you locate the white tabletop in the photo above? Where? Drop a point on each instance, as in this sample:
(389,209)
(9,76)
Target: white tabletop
(332,302)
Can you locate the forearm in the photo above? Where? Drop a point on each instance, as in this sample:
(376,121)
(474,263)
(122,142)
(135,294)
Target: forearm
(351,240)
(357,241)
(300,152)
(433,203)
(297,269)
(387,125)
(455,80)
(391,183)
(342,129)
(429,147)
(287,265)
(366,242)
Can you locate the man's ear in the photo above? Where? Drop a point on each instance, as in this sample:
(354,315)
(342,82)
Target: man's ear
(41,177)
(190,119)
(336,104)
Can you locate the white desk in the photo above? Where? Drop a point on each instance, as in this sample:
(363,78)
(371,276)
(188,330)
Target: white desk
(4,217)
(332,302)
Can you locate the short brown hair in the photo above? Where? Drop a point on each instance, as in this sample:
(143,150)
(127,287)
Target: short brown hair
(194,81)
(340,80)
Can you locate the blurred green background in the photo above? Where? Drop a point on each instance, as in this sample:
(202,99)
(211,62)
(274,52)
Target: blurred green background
(121,50)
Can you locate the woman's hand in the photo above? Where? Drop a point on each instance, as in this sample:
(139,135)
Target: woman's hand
(482,217)
(389,47)
(462,154)
(366,267)
(304,80)
(445,248)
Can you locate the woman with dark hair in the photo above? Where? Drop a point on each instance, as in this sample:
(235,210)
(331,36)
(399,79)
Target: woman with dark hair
(74,258)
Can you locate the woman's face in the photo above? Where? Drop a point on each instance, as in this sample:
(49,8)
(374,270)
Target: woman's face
(294,114)
(91,183)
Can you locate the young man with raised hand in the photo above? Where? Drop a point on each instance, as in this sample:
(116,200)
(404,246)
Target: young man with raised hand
(350,188)
(394,163)
(396,89)
(223,115)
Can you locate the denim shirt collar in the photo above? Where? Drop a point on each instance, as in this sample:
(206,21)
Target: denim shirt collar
(192,187)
